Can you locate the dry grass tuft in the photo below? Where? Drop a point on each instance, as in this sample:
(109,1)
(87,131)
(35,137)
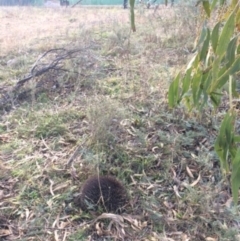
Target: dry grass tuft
(105,116)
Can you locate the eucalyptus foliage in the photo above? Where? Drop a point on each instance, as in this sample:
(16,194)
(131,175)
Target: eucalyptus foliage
(213,67)
(217,58)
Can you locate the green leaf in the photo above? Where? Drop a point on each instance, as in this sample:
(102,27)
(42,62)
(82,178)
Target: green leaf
(234,88)
(231,51)
(238,49)
(236,138)
(223,127)
(173,92)
(209,61)
(222,2)
(214,2)
(222,156)
(215,36)
(238,19)
(204,50)
(222,67)
(207,81)
(220,82)
(188,102)
(228,133)
(225,141)
(215,68)
(196,91)
(194,62)
(186,81)
(235,177)
(222,153)
(206,6)
(235,66)
(203,35)
(215,98)
(233,149)
(234,3)
(226,34)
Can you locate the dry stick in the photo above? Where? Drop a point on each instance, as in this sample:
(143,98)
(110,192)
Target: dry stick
(52,65)
(73,156)
(101,197)
(76,3)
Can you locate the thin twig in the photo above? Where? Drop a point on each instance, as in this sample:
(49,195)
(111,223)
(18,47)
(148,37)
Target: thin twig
(73,156)
(76,3)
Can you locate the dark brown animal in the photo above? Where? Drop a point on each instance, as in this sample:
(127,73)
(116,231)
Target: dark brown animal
(103,193)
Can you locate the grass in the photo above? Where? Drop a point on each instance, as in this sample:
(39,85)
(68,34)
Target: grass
(105,111)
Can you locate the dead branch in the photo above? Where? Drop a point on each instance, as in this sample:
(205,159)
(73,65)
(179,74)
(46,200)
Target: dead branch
(54,65)
(76,3)
(50,60)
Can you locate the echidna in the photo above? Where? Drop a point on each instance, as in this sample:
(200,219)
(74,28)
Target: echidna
(104,192)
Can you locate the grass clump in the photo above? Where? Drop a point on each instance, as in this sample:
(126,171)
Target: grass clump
(80,235)
(104,116)
(50,127)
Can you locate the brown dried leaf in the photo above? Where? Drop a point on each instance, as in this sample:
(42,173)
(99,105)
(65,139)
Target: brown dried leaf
(189,172)
(56,237)
(185,237)
(130,132)
(150,186)
(117,218)
(4,138)
(135,224)
(1,194)
(175,188)
(5,232)
(27,212)
(61,186)
(63,225)
(174,173)
(211,239)
(98,227)
(56,222)
(196,182)
(155,148)
(167,204)
(51,187)
(229,202)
